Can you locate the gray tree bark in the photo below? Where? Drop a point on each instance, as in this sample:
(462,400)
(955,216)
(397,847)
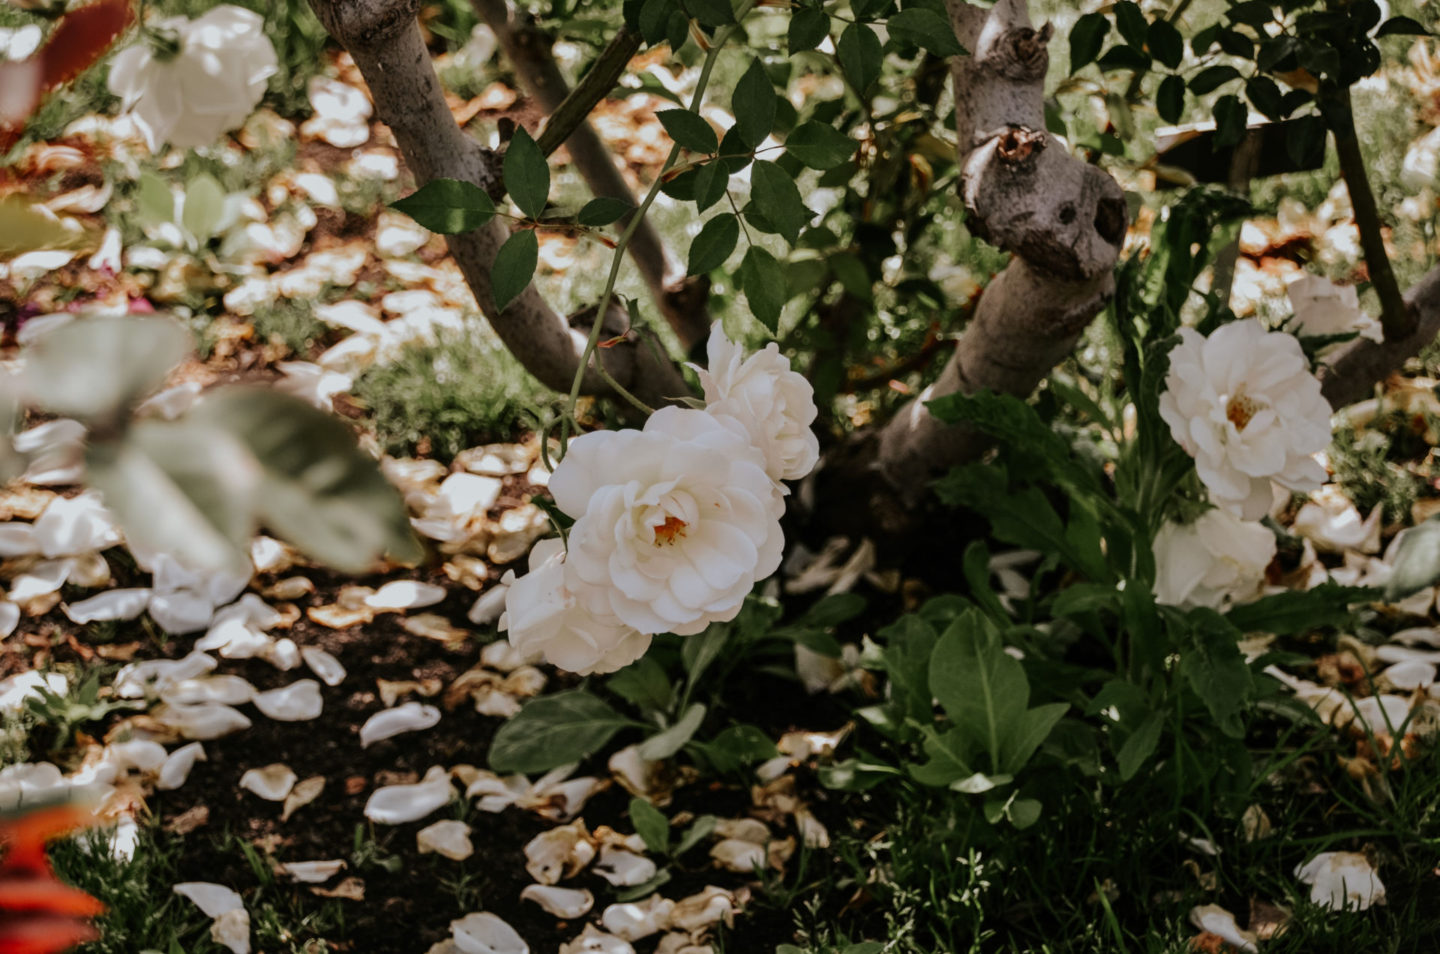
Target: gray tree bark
(1063,219)
(384,39)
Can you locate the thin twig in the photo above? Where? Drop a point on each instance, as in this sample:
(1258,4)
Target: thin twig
(593,87)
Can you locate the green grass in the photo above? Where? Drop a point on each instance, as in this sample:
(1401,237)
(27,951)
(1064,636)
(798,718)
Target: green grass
(461,391)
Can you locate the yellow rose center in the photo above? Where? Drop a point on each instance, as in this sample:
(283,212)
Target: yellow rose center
(668,532)
(1240,409)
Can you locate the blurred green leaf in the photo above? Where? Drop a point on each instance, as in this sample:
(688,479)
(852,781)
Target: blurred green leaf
(448,206)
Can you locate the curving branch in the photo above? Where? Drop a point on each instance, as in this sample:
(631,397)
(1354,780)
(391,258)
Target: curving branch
(1355,370)
(682,300)
(1063,219)
(384,39)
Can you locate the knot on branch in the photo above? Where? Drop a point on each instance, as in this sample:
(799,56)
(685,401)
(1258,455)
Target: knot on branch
(365,23)
(1023,54)
(1018,146)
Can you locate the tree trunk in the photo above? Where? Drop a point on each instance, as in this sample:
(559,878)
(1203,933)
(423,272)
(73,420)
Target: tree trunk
(384,39)
(1063,219)
(681,300)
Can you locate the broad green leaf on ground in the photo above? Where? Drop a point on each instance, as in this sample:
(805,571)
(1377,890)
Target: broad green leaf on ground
(644,685)
(736,747)
(554,730)
(317,488)
(1139,746)
(860,56)
(820,145)
(97,368)
(717,238)
(514,267)
(703,649)
(949,757)
(1297,611)
(204,207)
(763,282)
(665,744)
(909,643)
(527,176)
(27,226)
(651,825)
(448,206)
(753,104)
(689,130)
(602,211)
(182,488)
(774,190)
(1417,560)
(928,29)
(1213,665)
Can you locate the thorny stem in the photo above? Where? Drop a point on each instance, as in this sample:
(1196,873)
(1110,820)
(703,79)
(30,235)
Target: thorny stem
(721,37)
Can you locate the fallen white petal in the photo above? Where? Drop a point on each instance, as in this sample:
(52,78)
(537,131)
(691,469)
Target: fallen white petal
(592,941)
(1410,675)
(638,920)
(1216,920)
(625,869)
(324,665)
(110,605)
(484,933)
(213,899)
(559,853)
(298,702)
(450,839)
(203,722)
(312,872)
(224,689)
(398,804)
(742,857)
(283,654)
(272,783)
(410,717)
(488,606)
(178,765)
(139,754)
(1341,880)
(701,910)
(232,930)
(405,594)
(561,902)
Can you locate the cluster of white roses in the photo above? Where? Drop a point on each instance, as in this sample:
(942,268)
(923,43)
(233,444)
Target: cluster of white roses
(674,523)
(196,79)
(1244,403)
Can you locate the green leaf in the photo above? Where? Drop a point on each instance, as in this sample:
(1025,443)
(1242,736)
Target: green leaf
(1230,119)
(1087,36)
(603,210)
(1298,611)
(753,104)
(865,947)
(1165,43)
(551,731)
(179,487)
(651,825)
(1131,22)
(1417,560)
(1264,93)
(711,181)
(448,206)
(689,130)
(1306,142)
(662,745)
(514,267)
(204,207)
(1212,78)
(1124,58)
(644,889)
(1170,99)
(1402,26)
(154,202)
(96,368)
(717,238)
(763,281)
(808,26)
(833,610)
(317,488)
(820,145)
(1023,813)
(698,831)
(711,13)
(982,689)
(703,649)
(644,685)
(927,29)
(1015,422)
(860,56)
(1034,727)
(527,176)
(909,643)
(1139,747)
(949,757)
(774,190)
(736,747)
(1214,667)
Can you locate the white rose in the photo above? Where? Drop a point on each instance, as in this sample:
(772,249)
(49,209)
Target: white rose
(674,524)
(1215,561)
(206,88)
(543,618)
(1244,404)
(774,404)
(1325,308)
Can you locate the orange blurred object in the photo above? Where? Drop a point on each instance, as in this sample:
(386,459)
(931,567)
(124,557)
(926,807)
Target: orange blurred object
(39,914)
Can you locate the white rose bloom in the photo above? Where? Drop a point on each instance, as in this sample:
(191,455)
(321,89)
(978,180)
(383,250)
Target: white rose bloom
(544,618)
(675,523)
(1215,561)
(775,405)
(1325,308)
(1244,404)
(206,88)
